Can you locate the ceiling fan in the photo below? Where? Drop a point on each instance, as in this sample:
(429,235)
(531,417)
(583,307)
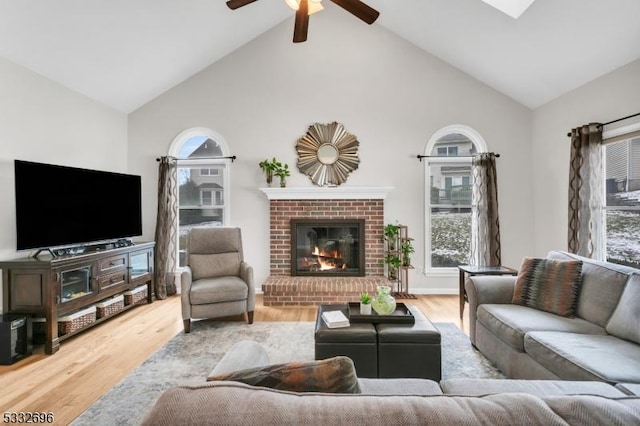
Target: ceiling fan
(304,8)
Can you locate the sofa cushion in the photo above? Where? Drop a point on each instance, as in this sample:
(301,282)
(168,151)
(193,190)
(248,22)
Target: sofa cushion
(477,387)
(629,388)
(510,323)
(213,290)
(405,386)
(585,357)
(625,321)
(549,285)
(602,285)
(332,375)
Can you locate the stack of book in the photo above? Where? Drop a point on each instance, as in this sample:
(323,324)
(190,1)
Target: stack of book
(335,319)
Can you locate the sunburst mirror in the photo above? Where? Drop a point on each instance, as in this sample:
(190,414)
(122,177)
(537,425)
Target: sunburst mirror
(327,153)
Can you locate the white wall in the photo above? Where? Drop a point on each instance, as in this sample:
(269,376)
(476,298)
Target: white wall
(390,94)
(607,98)
(45,122)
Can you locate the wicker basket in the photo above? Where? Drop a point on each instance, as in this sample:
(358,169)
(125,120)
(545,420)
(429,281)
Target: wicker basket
(135,295)
(77,320)
(110,306)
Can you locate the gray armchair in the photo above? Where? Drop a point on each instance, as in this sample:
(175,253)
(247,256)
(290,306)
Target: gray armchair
(216,282)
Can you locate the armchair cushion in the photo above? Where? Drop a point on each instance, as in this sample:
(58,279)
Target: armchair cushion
(221,289)
(549,285)
(215,265)
(332,375)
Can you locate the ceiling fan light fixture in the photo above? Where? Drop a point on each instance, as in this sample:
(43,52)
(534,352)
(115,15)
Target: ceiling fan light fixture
(314,5)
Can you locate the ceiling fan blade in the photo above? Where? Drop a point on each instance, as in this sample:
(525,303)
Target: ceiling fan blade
(302,22)
(234,4)
(359,9)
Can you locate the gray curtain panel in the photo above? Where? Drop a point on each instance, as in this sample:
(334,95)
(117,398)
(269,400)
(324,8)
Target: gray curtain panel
(166,228)
(485,221)
(586,233)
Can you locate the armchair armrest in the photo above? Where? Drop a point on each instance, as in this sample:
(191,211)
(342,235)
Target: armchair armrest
(246,273)
(186,278)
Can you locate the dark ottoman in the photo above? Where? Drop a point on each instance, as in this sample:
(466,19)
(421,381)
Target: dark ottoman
(358,342)
(409,350)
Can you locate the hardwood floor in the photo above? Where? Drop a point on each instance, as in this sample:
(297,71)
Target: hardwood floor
(89,364)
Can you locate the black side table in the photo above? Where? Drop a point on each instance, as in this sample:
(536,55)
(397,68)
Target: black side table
(479,270)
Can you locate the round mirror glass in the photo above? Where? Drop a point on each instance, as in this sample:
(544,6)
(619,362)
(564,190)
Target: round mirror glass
(327,154)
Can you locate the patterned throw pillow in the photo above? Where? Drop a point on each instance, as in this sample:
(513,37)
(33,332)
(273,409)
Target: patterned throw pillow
(332,375)
(549,285)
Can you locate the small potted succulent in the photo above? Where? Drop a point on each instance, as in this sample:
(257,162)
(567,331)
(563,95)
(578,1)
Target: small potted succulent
(365,304)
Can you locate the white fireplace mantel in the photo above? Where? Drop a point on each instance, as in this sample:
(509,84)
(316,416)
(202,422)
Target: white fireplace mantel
(327,193)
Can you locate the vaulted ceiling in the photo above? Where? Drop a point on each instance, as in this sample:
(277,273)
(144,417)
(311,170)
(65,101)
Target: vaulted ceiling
(124,53)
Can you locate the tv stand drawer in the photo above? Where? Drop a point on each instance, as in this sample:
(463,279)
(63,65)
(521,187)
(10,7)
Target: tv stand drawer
(112,263)
(108,281)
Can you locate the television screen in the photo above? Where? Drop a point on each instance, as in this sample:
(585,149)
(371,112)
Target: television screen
(59,205)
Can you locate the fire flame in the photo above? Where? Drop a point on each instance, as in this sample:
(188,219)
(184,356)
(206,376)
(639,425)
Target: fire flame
(327,259)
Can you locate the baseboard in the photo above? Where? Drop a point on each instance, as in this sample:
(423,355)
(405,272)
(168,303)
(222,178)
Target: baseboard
(451,291)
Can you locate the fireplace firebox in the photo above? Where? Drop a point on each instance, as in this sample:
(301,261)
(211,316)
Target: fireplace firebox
(332,247)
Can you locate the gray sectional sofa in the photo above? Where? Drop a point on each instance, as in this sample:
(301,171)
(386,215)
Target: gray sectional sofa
(601,343)
(392,401)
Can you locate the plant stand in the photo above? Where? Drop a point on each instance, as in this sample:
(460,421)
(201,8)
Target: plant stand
(400,285)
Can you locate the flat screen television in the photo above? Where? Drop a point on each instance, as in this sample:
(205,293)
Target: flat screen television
(61,206)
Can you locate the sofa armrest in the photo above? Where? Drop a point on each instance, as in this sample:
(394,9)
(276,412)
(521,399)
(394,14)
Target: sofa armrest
(487,289)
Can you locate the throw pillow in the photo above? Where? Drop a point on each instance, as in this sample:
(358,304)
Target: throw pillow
(332,375)
(549,285)
(625,319)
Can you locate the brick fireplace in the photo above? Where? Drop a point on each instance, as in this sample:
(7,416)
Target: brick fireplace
(323,204)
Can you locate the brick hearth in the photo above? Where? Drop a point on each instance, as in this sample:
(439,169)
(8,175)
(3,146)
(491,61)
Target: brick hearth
(280,288)
(300,291)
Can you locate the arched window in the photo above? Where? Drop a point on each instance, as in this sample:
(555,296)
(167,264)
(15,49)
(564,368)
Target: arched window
(448,195)
(203,181)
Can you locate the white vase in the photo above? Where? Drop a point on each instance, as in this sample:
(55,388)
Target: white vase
(365,309)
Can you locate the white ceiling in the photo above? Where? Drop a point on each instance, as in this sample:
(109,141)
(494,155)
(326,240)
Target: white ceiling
(124,53)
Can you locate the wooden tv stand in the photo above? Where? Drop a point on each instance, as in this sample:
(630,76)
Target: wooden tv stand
(54,287)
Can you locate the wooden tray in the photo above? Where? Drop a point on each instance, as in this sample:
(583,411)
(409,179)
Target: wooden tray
(402,315)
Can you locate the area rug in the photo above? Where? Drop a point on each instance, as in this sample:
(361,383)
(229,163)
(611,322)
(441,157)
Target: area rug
(188,358)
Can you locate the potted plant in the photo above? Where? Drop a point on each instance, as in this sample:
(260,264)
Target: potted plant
(282,171)
(269,167)
(406,248)
(365,304)
(393,263)
(390,235)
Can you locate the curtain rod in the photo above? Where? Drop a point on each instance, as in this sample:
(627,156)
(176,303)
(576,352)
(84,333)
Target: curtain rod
(231,157)
(613,121)
(420,157)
